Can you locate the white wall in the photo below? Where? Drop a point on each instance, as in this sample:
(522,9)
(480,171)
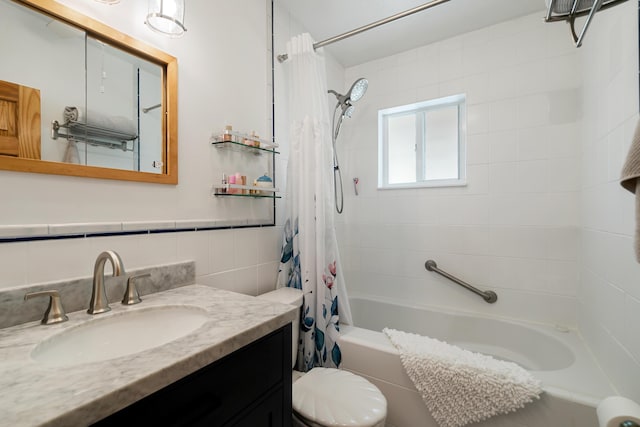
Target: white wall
(224,72)
(609,296)
(515,226)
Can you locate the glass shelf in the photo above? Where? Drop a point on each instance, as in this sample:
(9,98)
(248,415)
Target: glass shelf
(238,146)
(254,145)
(255,196)
(264,145)
(224,191)
(239,136)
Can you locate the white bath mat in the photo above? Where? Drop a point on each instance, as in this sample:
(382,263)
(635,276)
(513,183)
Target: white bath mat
(459,386)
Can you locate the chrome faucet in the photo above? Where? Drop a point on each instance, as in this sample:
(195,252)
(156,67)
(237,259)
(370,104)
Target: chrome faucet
(99,302)
(55,312)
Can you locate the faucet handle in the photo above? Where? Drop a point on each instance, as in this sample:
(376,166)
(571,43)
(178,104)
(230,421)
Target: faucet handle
(55,312)
(131,295)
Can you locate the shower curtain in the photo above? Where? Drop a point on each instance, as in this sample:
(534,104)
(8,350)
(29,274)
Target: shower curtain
(310,259)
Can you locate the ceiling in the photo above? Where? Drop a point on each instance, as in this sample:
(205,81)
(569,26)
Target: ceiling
(328,18)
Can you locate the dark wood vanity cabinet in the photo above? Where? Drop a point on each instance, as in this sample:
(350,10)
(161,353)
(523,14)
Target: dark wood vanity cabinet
(251,387)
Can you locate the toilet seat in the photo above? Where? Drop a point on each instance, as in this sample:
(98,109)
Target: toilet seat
(332,397)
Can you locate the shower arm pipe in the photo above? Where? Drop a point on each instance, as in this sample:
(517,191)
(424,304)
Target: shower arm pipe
(284,57)
(488,296)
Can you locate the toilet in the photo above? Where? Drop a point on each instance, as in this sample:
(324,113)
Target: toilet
(328,397)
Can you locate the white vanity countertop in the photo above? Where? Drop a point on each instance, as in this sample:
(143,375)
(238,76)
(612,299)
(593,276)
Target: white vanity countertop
(32,394)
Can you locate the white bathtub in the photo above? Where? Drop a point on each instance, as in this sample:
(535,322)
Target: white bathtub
(572,381)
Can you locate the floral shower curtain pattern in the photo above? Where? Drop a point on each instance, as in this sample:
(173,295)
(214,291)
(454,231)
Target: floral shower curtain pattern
(310,259)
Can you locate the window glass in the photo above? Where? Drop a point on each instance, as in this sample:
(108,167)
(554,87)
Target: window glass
(441,148)
(402,148)
(423,144)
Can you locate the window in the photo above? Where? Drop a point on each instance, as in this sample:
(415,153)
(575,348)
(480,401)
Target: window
(423,144)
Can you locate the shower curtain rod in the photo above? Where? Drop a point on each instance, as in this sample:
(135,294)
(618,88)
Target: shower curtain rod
(283,57)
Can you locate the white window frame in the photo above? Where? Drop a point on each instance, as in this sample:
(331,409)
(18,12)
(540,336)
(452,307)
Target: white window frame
(416,108)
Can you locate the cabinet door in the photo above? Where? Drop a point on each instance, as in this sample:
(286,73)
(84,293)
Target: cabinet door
(254,381)
(19,121)
(268,413)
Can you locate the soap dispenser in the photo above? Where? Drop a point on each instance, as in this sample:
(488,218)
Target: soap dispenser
(265,182)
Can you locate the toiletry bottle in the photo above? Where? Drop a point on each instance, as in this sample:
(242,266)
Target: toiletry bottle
(226,136)
(248,141)
(264,181)
(238,182)
(232,180)
(224,183)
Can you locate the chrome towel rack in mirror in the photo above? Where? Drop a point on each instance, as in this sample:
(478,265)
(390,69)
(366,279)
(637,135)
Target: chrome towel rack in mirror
(569,10)
(488,296)
(92,135)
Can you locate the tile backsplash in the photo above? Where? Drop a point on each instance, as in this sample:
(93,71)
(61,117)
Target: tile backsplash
(76,293)
(243,259)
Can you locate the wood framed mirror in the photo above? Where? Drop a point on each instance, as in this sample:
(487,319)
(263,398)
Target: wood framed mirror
(108,102)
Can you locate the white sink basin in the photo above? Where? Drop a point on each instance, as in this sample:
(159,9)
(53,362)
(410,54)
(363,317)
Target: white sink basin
(119,335)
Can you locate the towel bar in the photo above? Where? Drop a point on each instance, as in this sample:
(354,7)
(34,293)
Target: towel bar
(92,135)
(488,296)
(574,12)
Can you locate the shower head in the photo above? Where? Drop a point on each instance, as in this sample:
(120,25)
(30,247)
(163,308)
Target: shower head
(347,109)
(345,102)
(356,92)
(358,89)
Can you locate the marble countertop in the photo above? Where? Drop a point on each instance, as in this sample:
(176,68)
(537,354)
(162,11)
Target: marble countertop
(33,394)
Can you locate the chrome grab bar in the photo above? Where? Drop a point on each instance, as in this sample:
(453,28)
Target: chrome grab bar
(488,296)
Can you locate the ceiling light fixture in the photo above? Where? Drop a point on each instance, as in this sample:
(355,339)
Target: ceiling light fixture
(166,17)
(108,1)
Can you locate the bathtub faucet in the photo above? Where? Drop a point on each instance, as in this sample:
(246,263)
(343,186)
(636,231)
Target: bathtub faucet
(488,296)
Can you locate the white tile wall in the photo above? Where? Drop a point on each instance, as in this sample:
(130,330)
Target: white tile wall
(15,257)
(515,226)
(227,258)
(610,288)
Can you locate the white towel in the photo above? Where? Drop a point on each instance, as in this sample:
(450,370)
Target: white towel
(94,118)
(629,180)
(72,154)
(73,114)
(458,386)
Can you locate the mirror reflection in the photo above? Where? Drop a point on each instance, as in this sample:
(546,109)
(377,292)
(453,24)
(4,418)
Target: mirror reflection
(102,104)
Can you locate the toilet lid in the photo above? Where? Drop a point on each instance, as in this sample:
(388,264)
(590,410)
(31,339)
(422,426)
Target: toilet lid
(332,397)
